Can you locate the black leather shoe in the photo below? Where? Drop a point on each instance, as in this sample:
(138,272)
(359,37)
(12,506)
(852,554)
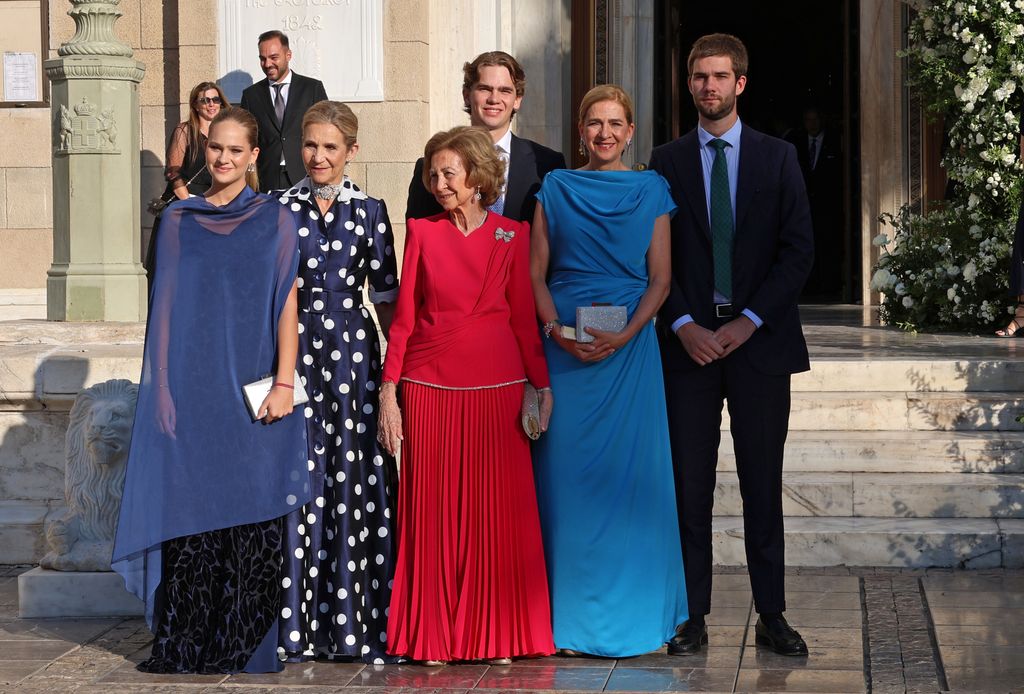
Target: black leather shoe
(775,633)
(689,639)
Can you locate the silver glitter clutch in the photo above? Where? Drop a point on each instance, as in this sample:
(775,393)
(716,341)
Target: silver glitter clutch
(608,318)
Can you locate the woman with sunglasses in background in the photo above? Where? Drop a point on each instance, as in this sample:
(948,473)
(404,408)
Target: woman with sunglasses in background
(185,168)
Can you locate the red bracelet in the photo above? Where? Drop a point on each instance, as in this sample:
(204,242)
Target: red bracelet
(283,385)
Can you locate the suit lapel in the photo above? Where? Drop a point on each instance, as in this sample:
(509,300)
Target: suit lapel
(521,161)
(295,97)
(263,94)
(690,174)
(746,184)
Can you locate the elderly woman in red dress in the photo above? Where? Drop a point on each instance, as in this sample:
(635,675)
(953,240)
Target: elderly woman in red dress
(470,582)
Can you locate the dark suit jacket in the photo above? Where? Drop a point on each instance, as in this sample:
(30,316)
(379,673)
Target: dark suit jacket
(773,249)
(528,163)
(303,93)
(824,181)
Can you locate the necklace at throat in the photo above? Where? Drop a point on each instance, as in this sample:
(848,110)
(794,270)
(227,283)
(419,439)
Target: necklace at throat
(327,191)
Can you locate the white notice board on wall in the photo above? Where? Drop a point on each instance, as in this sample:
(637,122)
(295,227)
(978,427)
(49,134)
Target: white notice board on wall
(21,76)
(340,42)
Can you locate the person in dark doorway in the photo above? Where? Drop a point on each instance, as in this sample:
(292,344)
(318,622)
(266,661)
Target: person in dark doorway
(819,151)
(493,86)
(279,102)
(742,247)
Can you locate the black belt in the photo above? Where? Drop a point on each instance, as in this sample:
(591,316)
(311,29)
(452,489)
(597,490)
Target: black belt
(327,301)
(723,311)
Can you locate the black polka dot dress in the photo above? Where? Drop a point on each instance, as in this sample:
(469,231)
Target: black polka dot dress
(339,549)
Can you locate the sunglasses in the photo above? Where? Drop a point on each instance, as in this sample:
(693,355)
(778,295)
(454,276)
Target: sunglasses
(209,100)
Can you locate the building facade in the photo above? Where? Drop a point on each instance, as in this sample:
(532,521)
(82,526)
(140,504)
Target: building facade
(407,85)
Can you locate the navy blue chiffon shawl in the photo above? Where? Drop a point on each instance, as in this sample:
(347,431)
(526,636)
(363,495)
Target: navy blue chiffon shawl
(223,276)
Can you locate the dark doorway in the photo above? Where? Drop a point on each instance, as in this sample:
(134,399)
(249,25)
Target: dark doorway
(803,73)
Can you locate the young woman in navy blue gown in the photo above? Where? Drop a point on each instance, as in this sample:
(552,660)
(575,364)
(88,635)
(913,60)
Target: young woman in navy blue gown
(199,533)
(604,469)
(339,555)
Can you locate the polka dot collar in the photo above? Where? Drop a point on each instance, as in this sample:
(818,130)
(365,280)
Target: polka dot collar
(303,190)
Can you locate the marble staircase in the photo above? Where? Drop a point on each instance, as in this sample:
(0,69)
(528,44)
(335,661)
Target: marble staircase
(897,457)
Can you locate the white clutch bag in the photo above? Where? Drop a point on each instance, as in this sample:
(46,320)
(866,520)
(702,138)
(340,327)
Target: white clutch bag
(257,391)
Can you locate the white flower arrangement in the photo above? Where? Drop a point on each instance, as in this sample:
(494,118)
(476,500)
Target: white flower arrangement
(949,269)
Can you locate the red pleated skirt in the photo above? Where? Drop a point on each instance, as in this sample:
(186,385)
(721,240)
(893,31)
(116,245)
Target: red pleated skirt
(470,581)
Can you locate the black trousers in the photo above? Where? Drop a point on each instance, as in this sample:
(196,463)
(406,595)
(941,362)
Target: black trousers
(759,413)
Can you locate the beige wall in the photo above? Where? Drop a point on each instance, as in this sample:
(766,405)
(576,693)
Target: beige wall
(177,43)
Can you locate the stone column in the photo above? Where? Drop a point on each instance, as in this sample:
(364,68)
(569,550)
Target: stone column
(96,273)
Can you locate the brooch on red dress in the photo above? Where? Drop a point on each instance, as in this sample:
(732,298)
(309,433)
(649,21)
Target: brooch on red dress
(502,235)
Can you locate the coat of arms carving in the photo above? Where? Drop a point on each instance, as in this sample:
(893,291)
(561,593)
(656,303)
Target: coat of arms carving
(85,129)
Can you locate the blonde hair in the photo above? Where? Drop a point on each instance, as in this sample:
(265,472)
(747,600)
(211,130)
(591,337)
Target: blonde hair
(245,119)
(333,113)
(484,168)
(606,92)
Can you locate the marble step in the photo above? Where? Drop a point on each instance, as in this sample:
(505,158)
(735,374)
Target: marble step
(22,526)
(896,451)
(971,543)
(893,495)
(903,411)
(953,375)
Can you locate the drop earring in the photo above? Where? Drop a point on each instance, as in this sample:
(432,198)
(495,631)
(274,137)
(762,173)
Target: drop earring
(477,196)
(251,167)
(583,147)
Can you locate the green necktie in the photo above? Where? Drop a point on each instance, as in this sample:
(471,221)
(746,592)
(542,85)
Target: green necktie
(721,221)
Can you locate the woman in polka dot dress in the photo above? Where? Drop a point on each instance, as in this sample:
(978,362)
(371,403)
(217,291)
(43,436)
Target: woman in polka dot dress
(338,557)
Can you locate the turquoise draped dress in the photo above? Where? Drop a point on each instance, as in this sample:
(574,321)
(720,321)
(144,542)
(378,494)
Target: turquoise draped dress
(604,468)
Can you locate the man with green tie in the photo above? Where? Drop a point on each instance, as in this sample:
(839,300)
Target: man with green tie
(742,248)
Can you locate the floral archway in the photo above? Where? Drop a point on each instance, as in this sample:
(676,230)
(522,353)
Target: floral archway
(948,269)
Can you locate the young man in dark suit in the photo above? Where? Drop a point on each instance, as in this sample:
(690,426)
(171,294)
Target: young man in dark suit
(730,330)
(492,89)
(279,102)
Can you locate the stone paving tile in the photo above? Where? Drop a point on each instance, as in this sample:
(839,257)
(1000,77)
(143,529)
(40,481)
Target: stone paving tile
(36,649)
(976,616)
(13,671)
(673,680)
(74,630)
(302,674)
(993,635)
(564,679)
(815,600)
(711,657)
(449,676)
(824,637)
(830,619)
(983,679)
(127,674)
(819,681)
(564,661)
(822,584)
(970,582)
(817,659)
(728,616)
(963,598)
(999,659)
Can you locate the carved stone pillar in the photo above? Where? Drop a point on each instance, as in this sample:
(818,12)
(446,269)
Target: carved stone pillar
(96,273)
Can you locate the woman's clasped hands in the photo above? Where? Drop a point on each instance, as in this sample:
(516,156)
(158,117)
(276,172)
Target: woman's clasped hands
(604,345)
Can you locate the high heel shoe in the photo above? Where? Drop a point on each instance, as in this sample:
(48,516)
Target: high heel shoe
(498,661)
(433,663)
(1016,324)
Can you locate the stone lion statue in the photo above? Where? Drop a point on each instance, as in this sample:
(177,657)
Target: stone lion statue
(96,448)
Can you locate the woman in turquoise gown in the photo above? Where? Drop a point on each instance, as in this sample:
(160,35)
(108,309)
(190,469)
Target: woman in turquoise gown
(604,469)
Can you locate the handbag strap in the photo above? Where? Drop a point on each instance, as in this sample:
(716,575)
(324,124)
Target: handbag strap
(187,184)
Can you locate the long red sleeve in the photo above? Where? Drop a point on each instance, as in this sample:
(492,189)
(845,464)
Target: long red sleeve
(410,298)
(524,312)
